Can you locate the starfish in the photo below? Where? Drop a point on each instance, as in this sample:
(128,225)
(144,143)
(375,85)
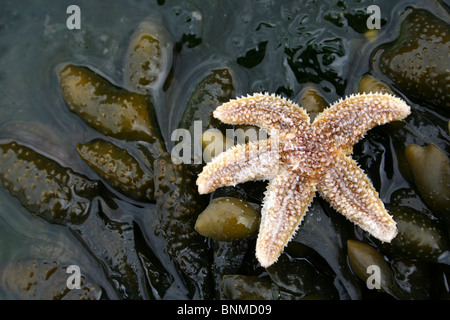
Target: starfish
(300,158)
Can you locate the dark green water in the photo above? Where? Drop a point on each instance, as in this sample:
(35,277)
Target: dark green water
(274,46)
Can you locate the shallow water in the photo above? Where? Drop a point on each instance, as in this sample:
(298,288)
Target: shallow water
(274,46)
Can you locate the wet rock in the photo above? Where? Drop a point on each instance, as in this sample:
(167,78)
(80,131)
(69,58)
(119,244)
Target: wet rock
(311,100)
(228,218)
(371,267)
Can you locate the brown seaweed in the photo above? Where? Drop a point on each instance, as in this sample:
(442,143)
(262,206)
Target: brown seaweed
(111,110)
(417,61)
(45,187)
(39,279)
(119,168)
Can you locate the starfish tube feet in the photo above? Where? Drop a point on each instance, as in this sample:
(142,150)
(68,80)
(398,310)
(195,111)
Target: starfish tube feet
(287,199)
(264,110)
(253,161)
(349,191)
(349,119)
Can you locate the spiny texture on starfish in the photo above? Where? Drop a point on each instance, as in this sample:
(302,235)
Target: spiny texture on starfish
(300,158)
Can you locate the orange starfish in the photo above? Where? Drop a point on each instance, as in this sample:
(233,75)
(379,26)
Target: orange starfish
(300,158)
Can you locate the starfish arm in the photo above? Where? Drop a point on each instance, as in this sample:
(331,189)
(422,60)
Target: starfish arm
(287,199)
(347,188)
(257,160)
(263,110)
(349,119)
